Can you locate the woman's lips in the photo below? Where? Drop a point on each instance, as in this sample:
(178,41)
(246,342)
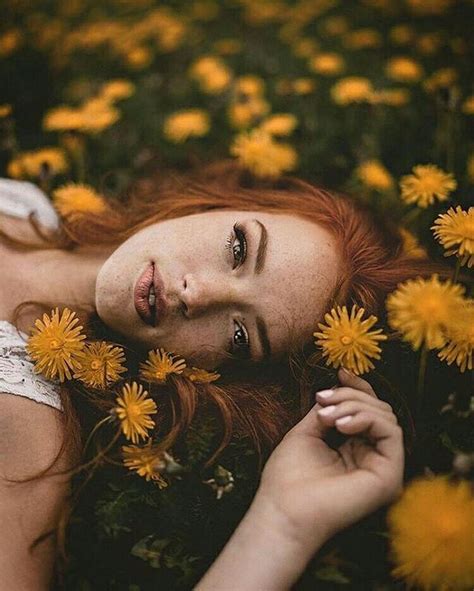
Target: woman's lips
(151,315)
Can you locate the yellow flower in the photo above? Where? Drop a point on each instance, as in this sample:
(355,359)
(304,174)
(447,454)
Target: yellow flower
(245,113)
(228,46)
(431,530)
(100,364)
(455,231)
(258,152)
(351,90)
(403,69)
(402,34)
(468,105)
(5,111)
(303,86)
(443,78)
(73,199)
(429,6)
(411,246)
(336,25)
(427,183)
(63,119)
(138,57)
(182,125)
(115,90)
(363,39)
(394,97)
(282,124)
(422,309)
(327,64)
(10,41)
(211,73)
(460,334)
(347,339)
(374,174)
(98,114)
(305,47)
(429,43)
(201,376)
(55,344)
(160,365)
(249,85)
(134,409)
(32,164)
(145,461)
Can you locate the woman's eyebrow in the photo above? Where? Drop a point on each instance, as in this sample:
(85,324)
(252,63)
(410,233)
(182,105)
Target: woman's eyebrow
(262,248)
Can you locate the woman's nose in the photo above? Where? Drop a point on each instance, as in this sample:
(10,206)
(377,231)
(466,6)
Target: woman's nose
(202,294)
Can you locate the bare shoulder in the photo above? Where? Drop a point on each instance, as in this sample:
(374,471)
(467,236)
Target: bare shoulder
(31,436)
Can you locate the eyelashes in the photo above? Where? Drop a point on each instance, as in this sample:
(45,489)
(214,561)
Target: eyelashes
(236,244)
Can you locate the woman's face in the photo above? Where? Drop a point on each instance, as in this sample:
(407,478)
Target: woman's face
(246,282)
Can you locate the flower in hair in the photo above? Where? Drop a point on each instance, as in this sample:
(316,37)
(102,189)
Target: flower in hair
(426,184)
(431,529)
(72,200)
(201,376)
(101,364)
(55,344)
(423,309)
(455,231)
(160,365)
(348,341)
(146,462)
(134,408)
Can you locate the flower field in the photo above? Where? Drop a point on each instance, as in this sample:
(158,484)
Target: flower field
(374,98)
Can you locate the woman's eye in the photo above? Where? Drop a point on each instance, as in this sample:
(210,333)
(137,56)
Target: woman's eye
(237,245)
(240,341)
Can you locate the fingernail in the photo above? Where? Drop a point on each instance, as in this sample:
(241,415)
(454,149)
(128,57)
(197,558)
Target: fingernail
(343,420)
(348,372)
(324,393)
(327,410)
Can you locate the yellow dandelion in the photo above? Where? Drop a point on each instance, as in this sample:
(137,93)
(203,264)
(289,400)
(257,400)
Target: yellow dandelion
(374,175)
(227,46)
(211,73)
(460,335)
(411,246)
(327,64)
(115,90)
(426,184)
(160,365)
(55,344)
(138,57)
(98,114)
(429,43)
(347,339)
(455,231)
(201,376)
(245,113)
(100,364)
(249,85)
(73,200)
(403,69)
(402,34)
(182,125)
(303,86)
(63,119)
(431,529)
(429,6)
(353,89)
(281,124)
(468,105)
(422,309)
(145,462)
(305,47)
(5,111)
(258,152)
(32,164)
(134,409)
(363,39)
(394,97)
(443,78)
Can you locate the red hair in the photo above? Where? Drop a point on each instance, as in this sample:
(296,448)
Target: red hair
(249,402)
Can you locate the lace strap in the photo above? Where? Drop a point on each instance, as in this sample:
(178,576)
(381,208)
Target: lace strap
(17,374)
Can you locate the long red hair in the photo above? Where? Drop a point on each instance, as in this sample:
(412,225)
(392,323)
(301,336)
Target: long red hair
(250,402)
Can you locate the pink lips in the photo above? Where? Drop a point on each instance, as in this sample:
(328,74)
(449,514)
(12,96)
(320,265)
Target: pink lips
(150,315)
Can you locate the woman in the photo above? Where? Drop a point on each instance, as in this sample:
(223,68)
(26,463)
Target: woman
(242,273)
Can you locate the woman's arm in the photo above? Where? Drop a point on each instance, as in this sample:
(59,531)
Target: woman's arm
(30,437)
(309,491)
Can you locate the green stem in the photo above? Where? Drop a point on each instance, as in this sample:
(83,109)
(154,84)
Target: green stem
(94,430)
(421,380)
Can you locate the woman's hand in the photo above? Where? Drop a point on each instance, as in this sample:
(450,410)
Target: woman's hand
(317,490)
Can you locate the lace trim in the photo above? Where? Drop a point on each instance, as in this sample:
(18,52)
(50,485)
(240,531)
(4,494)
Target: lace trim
(17,374)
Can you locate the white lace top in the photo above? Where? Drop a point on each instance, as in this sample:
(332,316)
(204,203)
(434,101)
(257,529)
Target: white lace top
(18,199)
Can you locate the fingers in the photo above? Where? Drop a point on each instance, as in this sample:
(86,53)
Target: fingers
(338,395)
(352,381)
(331,413)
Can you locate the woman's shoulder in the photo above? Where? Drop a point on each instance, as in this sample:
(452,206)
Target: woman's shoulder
(17,375)
(19,198)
